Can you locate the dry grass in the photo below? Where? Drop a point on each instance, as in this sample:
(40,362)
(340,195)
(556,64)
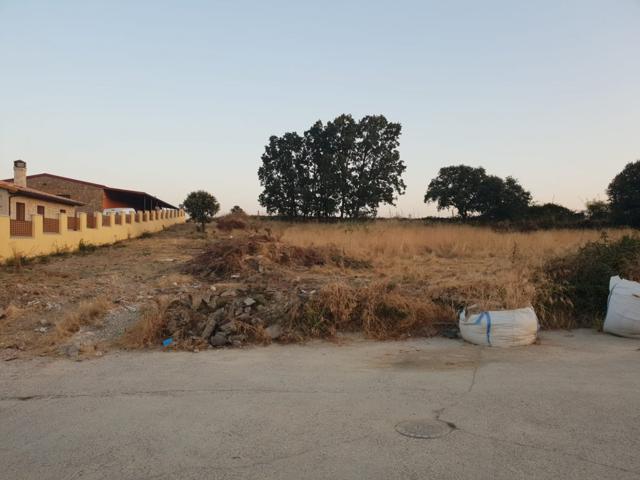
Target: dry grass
(88,312)
(391,240)
(379,310)
(148,330)
(454,265)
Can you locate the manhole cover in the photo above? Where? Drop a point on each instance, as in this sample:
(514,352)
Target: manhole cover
(426,428)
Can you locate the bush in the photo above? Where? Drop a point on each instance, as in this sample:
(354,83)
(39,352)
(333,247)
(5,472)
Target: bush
(573,290)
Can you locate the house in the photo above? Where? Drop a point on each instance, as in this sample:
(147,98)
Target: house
(94,197)
(19,202)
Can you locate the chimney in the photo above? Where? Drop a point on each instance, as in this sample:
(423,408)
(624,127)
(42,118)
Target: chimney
(20,173)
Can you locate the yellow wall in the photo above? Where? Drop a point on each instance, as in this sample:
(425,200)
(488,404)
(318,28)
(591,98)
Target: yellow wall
(51,209)
(45,243)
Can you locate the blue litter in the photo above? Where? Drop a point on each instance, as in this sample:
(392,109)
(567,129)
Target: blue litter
(167,342)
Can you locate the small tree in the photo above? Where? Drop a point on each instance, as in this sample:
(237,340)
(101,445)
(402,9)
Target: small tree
(201,207)
(237,210)
(624,195)
(598,211)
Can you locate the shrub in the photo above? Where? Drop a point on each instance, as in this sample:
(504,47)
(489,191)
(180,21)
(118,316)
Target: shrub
(573,289)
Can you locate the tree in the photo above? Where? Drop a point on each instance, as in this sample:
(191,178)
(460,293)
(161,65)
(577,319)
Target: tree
(279,175)
(201,207)
(344,167)
(237,210)
(598,211)
(471,191)
(624,195)
(376,166)
(500,199)
(458,187)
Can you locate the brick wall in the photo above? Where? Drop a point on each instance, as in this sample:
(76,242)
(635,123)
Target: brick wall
(88,194)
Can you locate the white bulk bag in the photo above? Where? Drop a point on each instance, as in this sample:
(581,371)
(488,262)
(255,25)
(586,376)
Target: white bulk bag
(504,328)
(623,308)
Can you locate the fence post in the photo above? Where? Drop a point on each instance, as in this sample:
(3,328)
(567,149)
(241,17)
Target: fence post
(62,223)
(5,230)
(112,219)
(82,221)
(98,217)
(37,228)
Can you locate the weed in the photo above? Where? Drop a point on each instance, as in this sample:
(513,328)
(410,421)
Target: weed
(85,247)
(88,312)
(573,289)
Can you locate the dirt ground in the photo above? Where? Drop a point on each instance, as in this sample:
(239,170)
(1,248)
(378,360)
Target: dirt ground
(127,275)
(251,281)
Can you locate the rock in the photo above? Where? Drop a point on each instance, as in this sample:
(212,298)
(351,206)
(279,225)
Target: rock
(72,350)
(273,331)
(237,338)
(227,328)
(229,293)
(209,327)
(248,301)
(218,340)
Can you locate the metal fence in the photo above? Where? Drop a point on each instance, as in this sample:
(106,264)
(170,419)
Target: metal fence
(91,220)
(106,220)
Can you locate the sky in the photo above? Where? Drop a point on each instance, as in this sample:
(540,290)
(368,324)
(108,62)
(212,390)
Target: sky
(170,97)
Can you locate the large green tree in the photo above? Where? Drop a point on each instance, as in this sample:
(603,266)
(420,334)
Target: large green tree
(458,187)
(471,191)
(344,168)
(624,195)
(279,175)
(503,199)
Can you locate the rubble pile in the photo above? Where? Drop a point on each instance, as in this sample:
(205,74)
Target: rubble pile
(226,316)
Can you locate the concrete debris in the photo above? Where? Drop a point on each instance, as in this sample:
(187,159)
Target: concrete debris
(274,331)
(221,318)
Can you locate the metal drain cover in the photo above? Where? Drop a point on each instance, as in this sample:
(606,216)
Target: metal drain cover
(424,428)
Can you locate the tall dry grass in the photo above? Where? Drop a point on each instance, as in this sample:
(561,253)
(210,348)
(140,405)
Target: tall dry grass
(390,240)
(451,264)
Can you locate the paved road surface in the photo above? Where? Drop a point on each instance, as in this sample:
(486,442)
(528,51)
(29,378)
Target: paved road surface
(566,409)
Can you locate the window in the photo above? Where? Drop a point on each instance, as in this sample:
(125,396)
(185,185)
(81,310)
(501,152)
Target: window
(20,211)
(40,210)
(62,210)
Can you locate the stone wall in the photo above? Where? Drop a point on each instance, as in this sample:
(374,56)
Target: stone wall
(89,194)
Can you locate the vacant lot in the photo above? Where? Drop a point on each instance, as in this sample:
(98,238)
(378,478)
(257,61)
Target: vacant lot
(565,409)
(250,281)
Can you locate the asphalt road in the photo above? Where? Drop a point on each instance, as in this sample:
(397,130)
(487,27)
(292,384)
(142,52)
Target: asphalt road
(568,408)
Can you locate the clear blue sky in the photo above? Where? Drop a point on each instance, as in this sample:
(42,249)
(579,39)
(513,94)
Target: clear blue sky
(169,97)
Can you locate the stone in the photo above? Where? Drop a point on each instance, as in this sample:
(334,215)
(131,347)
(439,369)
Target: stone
(72,350)
(229,293)
(248,301)
(274,331)
(209,327)
(228,327)
(218,340)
